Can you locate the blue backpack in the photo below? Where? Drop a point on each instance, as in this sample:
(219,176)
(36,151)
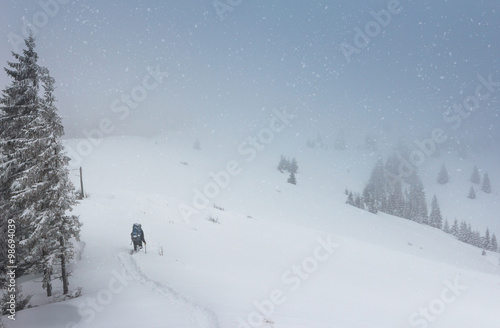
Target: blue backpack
(136,232)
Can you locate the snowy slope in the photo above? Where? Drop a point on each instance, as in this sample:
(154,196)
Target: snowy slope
(296,254)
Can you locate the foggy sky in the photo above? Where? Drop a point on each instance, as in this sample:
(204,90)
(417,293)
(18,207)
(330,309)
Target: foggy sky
(230,73)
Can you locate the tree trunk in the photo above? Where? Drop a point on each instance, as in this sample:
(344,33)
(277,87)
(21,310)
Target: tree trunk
(64,274)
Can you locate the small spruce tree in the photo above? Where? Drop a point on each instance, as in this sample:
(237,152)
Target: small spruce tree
(435,217)
(292,179)
(486,187)
(487,240)
(284,164)
(416,201)
(494,243)
(472,193)
(454,228)
(475,177)
(446,227)
(350,199)
(293,168)
(443,177)
(358,202)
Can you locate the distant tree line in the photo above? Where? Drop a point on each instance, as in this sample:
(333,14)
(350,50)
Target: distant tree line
(475,178)
(406,198)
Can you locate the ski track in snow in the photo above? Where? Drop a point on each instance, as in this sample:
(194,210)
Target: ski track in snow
(200,317)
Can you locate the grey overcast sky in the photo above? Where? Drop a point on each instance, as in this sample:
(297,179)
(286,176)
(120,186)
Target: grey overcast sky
(356,65)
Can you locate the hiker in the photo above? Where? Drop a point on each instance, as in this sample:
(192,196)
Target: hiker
(137,236)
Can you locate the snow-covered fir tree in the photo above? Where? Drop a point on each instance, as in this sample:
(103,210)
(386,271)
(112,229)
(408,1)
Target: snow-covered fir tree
(446,227)
(35,178)
(18,107)
(350,199)
(294,167)
(475,177)
(406,209)
(443,177)
(292,179)
(486,187)
(472,193)
(454,228)
(487,240)
(368,199)
(435,219)
(358,202)
(494,243)
(476,239)
(284,164)
(395,199)
(417,206)
(374,194)
(464,233)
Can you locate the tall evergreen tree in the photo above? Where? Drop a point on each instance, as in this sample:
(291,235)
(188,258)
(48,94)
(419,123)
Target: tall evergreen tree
(19,105)
(454,228)
(486,187)
(475,177)
(406,209)
(487,240)
(358,202)
(283,164)
(395,199)
(374,194)
(37,186)
(350,199)
(443,177)
(417,206)
(446,227)
(494,243)
(476,239)
(293,168)
(368,199)
(435,218)
(464,232)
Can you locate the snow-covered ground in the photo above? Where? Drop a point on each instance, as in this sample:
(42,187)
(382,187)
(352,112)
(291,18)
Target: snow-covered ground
(277,255)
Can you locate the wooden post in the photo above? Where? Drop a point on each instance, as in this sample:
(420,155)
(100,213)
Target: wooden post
(82,195)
